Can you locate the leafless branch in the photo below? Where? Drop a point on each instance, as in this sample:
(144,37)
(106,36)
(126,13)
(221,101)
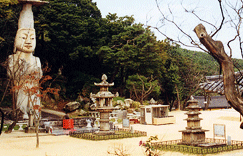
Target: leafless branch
(193,12)
(222,22)
(164,18)
(179,41)
(236,26)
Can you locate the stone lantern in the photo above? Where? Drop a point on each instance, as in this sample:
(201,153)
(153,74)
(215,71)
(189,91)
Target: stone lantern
(104,104)
(194,134)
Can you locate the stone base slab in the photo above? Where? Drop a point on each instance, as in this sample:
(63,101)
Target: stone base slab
(32,130)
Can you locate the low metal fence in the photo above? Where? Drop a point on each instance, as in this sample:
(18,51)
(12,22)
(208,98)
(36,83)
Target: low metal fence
(174,145)
(142,133)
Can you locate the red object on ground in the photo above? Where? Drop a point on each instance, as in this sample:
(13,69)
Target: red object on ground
(67,123)
(134,120)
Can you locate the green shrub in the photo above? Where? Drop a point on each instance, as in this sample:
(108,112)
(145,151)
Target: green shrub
(112,120)
(135,104)
(114,102)
(119,120)
(119,98)
(145,102)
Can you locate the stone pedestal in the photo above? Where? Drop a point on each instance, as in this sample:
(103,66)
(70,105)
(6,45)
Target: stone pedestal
(104,121)
(194,134)
(32,130)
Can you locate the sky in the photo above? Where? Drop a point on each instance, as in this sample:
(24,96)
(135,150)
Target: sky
(147,13)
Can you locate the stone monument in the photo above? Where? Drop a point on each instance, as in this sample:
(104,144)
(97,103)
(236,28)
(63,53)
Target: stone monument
(89,123)
(153,102)
(194,134)
(23,64)
(104,105)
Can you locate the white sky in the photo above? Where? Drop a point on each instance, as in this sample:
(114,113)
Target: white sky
(146,12)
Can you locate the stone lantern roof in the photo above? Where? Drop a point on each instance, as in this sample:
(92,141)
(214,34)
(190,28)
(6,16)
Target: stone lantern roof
(33,2)
(102,94)
(104,85)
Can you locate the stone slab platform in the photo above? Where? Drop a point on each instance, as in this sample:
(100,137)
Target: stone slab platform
(61,131)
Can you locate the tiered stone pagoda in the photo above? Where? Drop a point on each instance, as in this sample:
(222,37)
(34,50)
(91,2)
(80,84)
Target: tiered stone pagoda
(104,104)
(194,134)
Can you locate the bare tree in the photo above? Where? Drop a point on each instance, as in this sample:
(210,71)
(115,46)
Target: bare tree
(231,15)
(216,49)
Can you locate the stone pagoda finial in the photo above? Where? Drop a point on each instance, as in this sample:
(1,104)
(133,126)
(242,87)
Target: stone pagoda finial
(191,98)
(152,101)
(104,78)
(104,83)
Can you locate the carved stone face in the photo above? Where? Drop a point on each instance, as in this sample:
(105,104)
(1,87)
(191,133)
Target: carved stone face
(25,40)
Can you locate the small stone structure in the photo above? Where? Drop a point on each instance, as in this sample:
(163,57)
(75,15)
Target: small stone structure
(89,123)
(128,102)
(152,102)
(104,105)
(156,115)
(194,134)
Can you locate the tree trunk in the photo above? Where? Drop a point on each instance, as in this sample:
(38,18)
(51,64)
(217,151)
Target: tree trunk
(178,98)
(2,121)
(37,133)
(216,49)
(208,100)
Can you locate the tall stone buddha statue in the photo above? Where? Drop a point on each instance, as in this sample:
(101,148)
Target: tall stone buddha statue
(23,67)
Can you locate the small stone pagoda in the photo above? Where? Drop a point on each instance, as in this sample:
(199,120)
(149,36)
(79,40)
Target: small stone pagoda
(194,134)
(104,104)
(153,102)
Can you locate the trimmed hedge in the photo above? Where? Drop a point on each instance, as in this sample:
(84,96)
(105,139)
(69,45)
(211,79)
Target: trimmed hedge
(119,134)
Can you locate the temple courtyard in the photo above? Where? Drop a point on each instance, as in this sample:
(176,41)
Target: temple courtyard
(23,144)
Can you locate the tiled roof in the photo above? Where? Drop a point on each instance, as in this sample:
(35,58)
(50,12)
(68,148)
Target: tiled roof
(216,102)
(214,84)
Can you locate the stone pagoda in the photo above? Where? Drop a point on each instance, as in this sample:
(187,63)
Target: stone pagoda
(194,134)
(104,104)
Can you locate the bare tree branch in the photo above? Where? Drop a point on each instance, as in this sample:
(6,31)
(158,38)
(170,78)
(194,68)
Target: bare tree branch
(237,27)
(222,22)
(193,12)
(192,41)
